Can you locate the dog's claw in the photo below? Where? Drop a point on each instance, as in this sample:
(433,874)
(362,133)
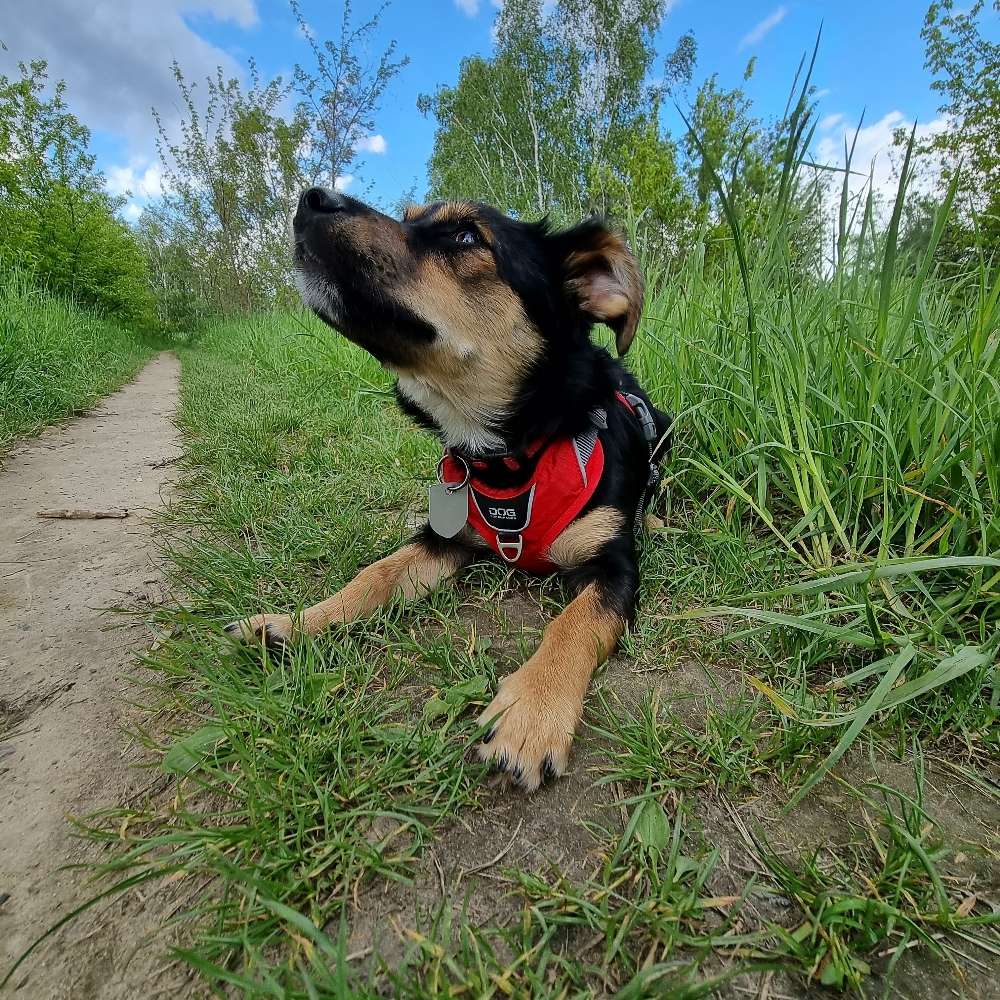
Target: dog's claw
(273,639)
(273,631)
(529,736)
(549,772)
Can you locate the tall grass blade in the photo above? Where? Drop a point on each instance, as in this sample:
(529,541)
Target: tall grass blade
(903,658)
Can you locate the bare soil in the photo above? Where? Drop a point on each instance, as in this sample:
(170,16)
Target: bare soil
(64,664)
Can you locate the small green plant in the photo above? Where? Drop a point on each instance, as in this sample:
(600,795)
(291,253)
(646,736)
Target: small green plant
(876,895)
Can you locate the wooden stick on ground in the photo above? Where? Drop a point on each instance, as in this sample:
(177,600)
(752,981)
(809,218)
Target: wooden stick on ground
(83,515)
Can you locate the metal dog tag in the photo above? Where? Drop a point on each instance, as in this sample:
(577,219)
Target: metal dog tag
(448,508)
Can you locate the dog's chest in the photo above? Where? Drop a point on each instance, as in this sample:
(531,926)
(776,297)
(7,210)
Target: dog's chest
(461,426)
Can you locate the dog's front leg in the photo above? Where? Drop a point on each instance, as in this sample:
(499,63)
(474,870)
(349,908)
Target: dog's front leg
(537,708)
(413,570)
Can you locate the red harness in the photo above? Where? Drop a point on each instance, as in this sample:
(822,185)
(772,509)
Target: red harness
(520,524)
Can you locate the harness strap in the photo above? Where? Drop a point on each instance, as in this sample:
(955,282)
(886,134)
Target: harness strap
(638,408)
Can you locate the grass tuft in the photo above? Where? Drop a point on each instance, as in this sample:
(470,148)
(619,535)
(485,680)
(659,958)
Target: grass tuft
(56,358)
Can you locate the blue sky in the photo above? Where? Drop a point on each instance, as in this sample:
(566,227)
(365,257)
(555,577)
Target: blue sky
(116,59)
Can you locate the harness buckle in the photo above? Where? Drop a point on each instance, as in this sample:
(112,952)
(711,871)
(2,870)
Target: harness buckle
(646,421)
(510,545)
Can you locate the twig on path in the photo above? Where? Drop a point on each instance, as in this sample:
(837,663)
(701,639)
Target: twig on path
(440,871)
(490,864)
(76,514)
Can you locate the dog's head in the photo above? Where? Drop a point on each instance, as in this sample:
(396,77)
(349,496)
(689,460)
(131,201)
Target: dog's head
(460,301)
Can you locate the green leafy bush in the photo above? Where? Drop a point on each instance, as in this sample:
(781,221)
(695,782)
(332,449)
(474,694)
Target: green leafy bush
(58,226)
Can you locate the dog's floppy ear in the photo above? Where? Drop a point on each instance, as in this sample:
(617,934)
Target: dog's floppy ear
(603,276)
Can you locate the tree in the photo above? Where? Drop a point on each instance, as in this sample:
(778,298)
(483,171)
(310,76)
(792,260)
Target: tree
(727,144)
(57,223)
(729,140)
(547,125)
(505,130)
(230,178)
(644,184)
(341,92)
(241,155)
(966,68)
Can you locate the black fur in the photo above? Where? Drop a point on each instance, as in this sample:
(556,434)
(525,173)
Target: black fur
(572,378)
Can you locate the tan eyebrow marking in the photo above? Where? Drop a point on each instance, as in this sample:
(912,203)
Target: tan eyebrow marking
(454,211)
(441,211)
(444,212)
(413,212)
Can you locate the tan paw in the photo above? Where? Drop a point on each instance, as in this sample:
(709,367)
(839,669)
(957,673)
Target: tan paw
(532,732)
(274,631)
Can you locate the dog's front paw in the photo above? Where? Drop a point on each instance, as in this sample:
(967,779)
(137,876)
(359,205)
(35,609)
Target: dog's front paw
(533,726)
(274,631)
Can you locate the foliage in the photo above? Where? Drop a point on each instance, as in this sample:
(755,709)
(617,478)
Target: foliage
(966,68)
(644,185)
(549,123)
(726,141)
(218,239)
(183,300)
(729,140)
(230,177)
(57,223)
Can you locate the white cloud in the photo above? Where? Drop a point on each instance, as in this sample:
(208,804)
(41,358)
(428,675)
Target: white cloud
(759,31)
(135,180)
(830,122)
(373,144)
(115,57)
(471,7)
(343,182)
(132,211)
(820,94)
(876,159)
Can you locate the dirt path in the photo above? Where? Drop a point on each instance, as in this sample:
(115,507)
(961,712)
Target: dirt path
(64,658)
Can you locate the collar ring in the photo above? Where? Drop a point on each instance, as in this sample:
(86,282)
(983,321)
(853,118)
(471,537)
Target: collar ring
(454,487)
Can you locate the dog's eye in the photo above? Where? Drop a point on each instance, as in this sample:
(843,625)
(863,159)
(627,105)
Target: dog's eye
(467,237)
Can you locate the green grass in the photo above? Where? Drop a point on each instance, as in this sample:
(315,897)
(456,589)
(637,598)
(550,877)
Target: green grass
(296,787)
(819,626)
(56,358)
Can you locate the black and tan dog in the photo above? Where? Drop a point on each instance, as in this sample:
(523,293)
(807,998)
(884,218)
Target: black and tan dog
(550,444)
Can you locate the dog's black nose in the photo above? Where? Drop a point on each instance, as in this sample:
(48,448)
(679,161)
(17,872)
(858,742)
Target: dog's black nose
(321,200)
